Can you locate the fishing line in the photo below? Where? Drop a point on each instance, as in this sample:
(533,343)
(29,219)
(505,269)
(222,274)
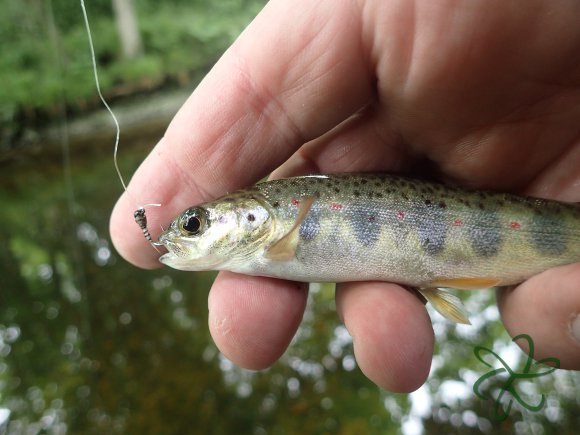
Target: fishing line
(139,214)
(98,85)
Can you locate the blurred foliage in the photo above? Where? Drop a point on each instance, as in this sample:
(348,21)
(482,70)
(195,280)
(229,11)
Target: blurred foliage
(45,58)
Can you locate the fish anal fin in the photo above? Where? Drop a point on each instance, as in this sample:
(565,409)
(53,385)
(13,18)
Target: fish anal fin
(465,283)
(285,248)
(446,304)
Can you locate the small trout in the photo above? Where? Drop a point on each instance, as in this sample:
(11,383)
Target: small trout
(377,227)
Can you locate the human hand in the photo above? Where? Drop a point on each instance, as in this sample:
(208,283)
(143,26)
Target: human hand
(479,93)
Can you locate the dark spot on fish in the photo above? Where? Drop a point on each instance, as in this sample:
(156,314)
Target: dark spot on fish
(481,205)
(277,190)
(310,227)
(549,234)
(356,193)
(538,211)
(442,204)
(379,195)
(355,184)
(427,202)
(363,181)
(251,217)
(276,204)
(431,228)
(484,234)
(365,223)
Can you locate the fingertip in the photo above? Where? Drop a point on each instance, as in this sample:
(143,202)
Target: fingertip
(253,319)
(392,334)
(547,308)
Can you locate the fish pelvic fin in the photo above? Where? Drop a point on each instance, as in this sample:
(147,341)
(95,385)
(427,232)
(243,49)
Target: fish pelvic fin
(446,304)
(285,248)
(465,283)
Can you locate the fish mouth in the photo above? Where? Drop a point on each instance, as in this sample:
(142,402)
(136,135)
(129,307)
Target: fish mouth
(174,248)
(185,258)
(191,264)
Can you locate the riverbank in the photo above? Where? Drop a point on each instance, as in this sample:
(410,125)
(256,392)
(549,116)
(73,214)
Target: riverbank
(46,66)
(142,118)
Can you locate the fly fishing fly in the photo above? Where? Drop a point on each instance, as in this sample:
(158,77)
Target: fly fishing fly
(141,220)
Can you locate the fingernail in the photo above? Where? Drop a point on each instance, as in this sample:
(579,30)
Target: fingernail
(575,328)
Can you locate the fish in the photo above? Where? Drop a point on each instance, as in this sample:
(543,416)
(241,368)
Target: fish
(377,227)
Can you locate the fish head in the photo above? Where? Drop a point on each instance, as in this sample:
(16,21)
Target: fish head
(218,234)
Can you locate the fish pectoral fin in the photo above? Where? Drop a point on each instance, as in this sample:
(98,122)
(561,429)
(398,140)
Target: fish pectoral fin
(446,304)
(465,283)
(285,248)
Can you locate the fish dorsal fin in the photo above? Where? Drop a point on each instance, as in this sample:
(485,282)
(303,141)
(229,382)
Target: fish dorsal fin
(446,304)
(465,283)
(285,248)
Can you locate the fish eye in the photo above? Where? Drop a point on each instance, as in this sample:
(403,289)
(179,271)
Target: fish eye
(192,225)
(192,221)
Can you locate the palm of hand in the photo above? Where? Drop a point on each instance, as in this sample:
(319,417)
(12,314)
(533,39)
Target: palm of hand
(475,91)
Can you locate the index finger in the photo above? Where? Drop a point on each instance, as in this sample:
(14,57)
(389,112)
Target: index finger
(297,71)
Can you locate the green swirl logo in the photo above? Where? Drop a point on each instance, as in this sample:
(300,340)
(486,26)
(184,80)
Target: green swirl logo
(509,386)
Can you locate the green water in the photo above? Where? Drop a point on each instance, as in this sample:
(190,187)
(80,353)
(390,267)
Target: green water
(91,344)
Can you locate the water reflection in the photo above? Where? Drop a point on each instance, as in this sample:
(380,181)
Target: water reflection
(90,344)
